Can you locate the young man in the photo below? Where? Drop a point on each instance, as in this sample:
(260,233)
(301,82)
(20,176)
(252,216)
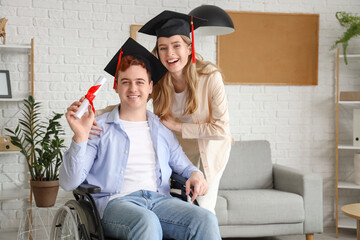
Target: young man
(132,160)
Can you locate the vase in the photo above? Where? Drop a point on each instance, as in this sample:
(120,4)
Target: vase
(357,168)
(45,192)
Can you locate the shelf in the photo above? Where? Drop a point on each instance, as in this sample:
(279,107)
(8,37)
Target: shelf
(11,194)
(350,55)
(8,152)
(349,102)
(348,147)
(348,185)
(13,46)
(11,99)
(347,222)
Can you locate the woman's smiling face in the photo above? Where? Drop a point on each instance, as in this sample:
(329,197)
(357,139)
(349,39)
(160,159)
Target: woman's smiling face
(173,53)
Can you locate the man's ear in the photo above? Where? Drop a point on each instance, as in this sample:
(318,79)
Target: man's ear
(116,87)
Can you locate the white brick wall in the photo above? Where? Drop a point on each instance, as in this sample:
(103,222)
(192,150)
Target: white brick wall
(75,39)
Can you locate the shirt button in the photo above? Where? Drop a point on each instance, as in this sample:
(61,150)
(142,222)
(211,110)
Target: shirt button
(122,172)
(126,152)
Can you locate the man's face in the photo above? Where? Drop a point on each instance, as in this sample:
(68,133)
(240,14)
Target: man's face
(134,87)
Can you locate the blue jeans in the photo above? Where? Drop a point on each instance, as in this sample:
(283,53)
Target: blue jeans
(150,215)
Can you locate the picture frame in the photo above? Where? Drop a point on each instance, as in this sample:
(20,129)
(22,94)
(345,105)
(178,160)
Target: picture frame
(5,87)
(133,30)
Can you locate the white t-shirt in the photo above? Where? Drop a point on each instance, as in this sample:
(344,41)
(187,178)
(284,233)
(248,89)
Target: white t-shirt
(141,166)
(179,107)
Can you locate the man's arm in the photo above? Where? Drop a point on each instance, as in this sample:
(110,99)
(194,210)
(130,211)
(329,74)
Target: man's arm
(181,164)
(77,160)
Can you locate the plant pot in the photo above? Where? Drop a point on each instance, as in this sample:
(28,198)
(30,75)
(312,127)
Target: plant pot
(45,192)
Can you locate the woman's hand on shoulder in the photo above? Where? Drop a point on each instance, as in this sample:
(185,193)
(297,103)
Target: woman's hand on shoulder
(172,124)
(95,130)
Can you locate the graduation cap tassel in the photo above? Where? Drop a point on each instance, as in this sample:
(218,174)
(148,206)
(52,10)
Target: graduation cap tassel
(192,42)
(117,67)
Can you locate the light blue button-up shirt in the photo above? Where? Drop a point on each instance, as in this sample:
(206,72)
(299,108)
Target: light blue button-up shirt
(102,160)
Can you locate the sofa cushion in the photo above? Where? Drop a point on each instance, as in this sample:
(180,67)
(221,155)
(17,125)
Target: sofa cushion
(249,166)
(261,206)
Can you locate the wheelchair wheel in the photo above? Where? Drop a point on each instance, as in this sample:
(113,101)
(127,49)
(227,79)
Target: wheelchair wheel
(70,223)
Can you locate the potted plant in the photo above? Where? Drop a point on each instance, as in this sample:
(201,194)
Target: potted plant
(39,141)
(352,25)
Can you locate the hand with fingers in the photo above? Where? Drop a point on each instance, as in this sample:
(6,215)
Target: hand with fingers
(172,124)
(81,127)
(199,184)
(95,130)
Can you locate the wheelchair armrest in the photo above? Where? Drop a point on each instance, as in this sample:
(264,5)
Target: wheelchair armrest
(177,181)
(89,188)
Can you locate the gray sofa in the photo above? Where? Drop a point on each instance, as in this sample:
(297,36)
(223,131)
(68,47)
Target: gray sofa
(258,198)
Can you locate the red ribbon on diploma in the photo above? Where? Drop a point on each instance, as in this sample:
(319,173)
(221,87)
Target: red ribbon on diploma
(90,95)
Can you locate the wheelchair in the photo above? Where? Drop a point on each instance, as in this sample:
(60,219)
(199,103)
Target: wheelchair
(79,219)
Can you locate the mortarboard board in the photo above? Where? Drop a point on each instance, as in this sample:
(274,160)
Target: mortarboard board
(169,23)
(132,48)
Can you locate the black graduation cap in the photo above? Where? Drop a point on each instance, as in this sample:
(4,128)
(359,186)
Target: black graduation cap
(132,48)
(169,23)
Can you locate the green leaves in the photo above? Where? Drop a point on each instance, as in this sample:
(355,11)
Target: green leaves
(39,141)
(352,23)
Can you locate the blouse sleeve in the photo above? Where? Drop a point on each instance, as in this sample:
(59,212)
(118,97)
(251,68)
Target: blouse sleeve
(105,110)
(217,125)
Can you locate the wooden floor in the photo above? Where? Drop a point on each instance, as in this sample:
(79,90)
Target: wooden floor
(328,234)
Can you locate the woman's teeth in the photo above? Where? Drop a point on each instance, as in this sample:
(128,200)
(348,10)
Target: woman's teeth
(173,60)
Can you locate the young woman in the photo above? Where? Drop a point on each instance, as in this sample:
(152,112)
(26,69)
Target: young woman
(190,99)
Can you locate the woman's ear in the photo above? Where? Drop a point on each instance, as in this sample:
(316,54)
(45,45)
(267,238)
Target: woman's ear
(189,49)
(151,86)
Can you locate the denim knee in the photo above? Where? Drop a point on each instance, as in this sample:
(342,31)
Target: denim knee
(149,225)
(208,227)
(142,224)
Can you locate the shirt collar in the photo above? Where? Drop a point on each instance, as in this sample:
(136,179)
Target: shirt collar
(113,116)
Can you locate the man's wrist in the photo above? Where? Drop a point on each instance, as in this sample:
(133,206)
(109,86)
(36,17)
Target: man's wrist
(79,139)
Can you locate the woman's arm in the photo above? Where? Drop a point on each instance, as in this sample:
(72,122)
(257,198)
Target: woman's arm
(217,123)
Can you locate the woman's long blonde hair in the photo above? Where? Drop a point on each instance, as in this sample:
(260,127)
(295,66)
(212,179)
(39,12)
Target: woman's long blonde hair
(163,92)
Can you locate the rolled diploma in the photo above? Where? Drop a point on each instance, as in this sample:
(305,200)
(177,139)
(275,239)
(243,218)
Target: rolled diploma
(85,104)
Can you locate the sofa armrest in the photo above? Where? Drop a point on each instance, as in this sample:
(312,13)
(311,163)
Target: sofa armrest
(309,186)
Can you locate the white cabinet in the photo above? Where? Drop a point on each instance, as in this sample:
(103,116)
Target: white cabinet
(346,189)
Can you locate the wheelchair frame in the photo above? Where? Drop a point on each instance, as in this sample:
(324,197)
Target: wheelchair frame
(79,219)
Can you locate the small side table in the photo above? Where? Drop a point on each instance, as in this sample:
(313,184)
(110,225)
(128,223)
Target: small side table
(36,223)
(353,211)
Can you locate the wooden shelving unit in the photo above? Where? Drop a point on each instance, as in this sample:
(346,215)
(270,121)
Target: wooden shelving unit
(29,49)
(6,195)
(341,220)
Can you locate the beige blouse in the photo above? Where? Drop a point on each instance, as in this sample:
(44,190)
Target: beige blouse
(211,124)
